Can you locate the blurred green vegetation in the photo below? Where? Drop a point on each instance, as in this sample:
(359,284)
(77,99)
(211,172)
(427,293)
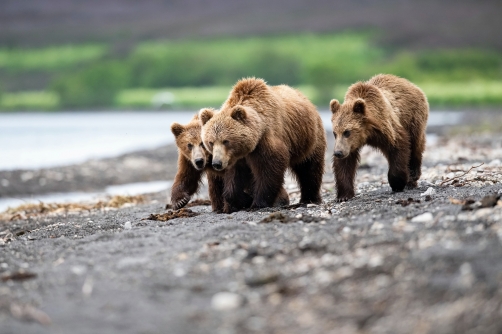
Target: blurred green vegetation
(51,58)
(29,100)
(200,72)
(95,86)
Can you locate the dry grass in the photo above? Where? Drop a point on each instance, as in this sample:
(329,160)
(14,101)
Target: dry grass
(31,210)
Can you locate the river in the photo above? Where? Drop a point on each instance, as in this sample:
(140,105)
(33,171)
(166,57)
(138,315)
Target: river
(38,140)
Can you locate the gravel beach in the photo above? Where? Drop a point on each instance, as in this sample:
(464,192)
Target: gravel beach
(427,260)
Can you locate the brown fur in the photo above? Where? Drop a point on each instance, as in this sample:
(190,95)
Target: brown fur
(272,128)
(228,191)
(388,113)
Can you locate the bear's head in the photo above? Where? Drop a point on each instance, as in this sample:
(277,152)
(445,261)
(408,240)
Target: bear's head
(230,134)
(349,126)
(189,142)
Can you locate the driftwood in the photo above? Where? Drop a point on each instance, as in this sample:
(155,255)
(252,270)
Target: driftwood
(465,173)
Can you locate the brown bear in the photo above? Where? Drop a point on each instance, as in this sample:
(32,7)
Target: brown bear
(272,128)
(228,191)
(388,113)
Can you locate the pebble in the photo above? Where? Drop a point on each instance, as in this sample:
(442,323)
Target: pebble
(481,213)
(495,162)
(429,192)
(131,262)
(466,276)
(424,183)
(261,278)
(423,218)
(78,270)
(225,301)
(127,226)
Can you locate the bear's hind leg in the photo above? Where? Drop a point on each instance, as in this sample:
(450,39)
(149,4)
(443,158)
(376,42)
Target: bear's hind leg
(398,175)
(415,164)
(282,198)
(309,175)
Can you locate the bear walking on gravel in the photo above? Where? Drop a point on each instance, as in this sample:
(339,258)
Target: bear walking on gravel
(388,113)
(228,191)
(272,128)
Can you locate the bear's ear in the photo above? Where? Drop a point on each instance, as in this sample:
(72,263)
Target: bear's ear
(177,129)
(359,106)
(334,105)
(239,114)
(205,115)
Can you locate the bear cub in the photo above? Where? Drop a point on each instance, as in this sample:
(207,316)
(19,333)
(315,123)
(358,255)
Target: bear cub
(388,113)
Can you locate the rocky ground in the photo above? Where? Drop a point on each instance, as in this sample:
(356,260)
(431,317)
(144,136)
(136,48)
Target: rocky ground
(427,260)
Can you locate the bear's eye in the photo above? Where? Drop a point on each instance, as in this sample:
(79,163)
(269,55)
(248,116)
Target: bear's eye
(346,133)
(190,146)
(225,142)
(334,134)
(201,145)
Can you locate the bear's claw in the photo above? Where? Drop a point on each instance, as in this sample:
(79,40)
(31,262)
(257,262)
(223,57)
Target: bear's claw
(181,203)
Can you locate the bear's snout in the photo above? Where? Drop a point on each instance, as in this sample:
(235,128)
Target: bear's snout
(217,164)
(199,163)
(338,154)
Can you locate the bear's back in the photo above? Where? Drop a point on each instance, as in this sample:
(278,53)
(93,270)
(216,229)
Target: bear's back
(407,100)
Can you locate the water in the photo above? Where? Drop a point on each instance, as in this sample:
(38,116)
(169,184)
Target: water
(38,140)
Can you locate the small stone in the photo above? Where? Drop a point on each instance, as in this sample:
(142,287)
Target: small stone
(489,201)
(127,226)
(430,191)
(225,301)
(424,183)
(261,278)
(481,213)
(131,262)
(78,270)
(423,218)
(311,205)
(495,162)
(466,276)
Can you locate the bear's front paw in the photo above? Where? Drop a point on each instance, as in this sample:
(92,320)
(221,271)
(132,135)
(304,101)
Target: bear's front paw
(180,202)
(343,199)
(258,205)
(411,185)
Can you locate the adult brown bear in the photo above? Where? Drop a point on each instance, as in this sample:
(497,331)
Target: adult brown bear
(272,128)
